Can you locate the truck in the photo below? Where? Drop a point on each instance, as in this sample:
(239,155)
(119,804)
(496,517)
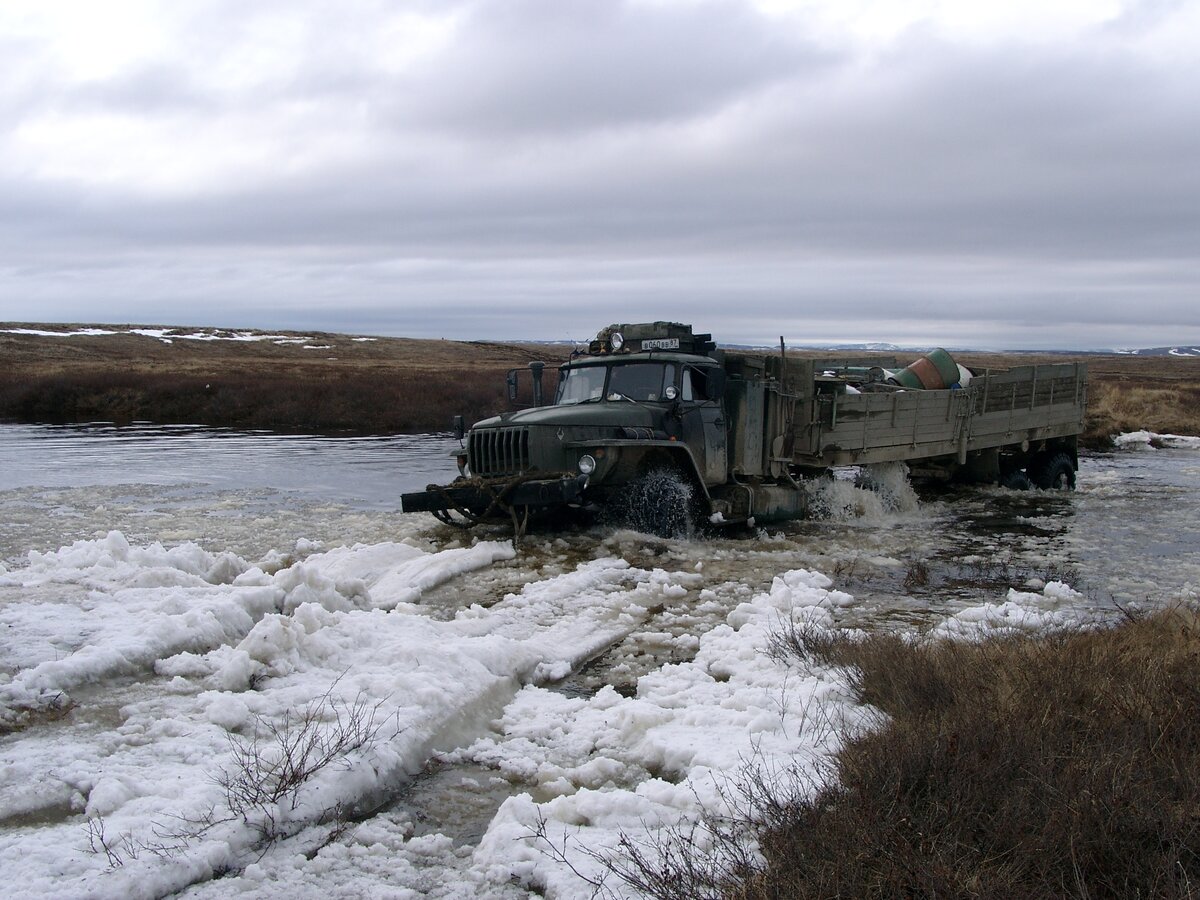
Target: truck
(654,426)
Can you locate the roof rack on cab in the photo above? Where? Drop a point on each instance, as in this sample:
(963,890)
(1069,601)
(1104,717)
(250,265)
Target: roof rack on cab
(646,336)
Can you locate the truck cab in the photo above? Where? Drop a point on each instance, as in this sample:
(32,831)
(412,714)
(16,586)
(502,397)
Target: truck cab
(644,402)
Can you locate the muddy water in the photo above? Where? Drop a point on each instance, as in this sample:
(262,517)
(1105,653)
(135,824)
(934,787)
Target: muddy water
(1129,535)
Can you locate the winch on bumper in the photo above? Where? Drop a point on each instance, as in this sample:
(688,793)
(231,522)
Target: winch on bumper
(489,499)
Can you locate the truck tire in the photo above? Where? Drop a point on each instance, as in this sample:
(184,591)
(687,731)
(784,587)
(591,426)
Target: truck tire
(1016,480)
(1055,472)
(659,501)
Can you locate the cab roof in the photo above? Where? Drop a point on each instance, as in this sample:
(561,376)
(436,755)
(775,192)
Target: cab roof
(660,356)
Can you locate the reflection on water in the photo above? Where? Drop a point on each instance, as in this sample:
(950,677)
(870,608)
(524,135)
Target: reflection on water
(365,471)
(249,492)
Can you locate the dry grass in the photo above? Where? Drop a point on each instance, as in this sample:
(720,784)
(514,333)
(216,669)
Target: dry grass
(1065,765)
(319,402)
(1122,404)
(332,382)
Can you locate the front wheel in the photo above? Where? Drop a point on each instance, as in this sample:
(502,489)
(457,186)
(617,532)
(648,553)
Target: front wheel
(1054,473)
(660,501)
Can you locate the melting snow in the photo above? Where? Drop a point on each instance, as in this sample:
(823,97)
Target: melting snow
(1149,439)
(165,658)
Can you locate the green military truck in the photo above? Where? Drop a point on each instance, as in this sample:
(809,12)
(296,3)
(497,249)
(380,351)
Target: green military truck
(655,426)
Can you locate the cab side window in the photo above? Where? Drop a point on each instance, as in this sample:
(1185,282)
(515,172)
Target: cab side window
(686,392)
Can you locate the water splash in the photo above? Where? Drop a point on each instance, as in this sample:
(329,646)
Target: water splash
(876,492)
(661,502)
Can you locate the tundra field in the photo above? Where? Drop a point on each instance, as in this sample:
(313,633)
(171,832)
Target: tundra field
(322,383)
(182,714)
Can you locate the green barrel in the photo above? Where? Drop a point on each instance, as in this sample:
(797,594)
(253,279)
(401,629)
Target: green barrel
(933,371)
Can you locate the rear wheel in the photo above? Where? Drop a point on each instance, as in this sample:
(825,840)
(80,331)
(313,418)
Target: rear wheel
(1054,472)
(1016,480)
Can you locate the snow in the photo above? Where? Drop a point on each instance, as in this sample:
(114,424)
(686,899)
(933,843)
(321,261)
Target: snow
(39,333)
(1054,606)
(252,654)
(220,648)
(137,671)
(1148,440)
(169,335)
(143,605)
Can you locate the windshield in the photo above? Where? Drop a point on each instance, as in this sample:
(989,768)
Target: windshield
(634,381)
(584,383)
(640,381)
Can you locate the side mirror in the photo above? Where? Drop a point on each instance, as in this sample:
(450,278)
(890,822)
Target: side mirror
(714,384)
(459,428)
(536,369)
(511,380)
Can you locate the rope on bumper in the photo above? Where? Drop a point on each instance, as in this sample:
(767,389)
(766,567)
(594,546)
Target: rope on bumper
(498,503)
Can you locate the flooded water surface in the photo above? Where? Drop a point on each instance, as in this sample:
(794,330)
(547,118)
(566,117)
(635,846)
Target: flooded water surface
(1130,532)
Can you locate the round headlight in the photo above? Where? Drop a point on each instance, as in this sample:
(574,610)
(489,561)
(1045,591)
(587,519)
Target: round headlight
(587,464)
(616,341)
(671,392)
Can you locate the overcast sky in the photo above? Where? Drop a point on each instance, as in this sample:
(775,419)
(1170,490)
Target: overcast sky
(1008,174)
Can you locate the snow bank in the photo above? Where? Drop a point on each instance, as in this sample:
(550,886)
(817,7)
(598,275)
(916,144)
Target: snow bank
(631,765)
(122,608)
(41,333)
(342,624)
(167,335)
(1056,606)
(1146,440)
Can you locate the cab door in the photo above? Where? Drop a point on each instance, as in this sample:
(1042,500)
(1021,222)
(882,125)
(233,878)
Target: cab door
(704,423)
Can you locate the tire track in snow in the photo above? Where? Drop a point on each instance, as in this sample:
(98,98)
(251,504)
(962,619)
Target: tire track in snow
(440,683)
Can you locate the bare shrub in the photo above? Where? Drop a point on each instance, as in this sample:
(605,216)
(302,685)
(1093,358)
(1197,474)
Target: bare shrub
(115,849)
(1060,765)
(270,767)
(803,641)
(916,575)
(265,773)
(667,864)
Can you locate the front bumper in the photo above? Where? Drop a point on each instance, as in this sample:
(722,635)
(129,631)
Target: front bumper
(495,497)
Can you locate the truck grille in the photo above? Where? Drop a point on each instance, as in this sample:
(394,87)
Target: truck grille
(498,451)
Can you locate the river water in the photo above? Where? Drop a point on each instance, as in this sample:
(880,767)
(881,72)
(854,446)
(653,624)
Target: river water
(1130,533)
(1129,536)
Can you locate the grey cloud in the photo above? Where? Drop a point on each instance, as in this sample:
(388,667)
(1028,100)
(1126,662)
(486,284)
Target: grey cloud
(537,66)
(566,164)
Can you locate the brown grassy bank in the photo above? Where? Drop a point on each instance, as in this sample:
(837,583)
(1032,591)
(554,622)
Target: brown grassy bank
(1056,766)
(334,382)
(321,383)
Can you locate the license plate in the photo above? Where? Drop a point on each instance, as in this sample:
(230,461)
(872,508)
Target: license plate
(661,344)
